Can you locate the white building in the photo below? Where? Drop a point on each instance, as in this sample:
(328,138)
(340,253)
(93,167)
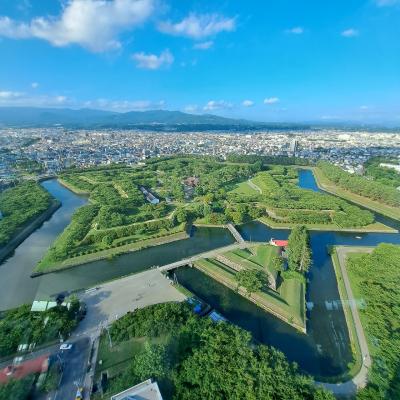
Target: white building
(146,390)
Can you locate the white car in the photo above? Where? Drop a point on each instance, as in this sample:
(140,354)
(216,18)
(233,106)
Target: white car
(66,346)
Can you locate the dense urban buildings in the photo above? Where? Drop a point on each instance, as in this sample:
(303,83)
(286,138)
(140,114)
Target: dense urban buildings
(53,149)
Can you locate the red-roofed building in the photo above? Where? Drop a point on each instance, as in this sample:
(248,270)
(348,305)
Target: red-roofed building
(279,243)
(34,366)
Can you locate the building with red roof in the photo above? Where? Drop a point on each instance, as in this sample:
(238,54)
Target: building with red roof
(35,366)
(279,243)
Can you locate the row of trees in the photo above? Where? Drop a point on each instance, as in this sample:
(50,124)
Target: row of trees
(203,360)
(19,205)
(360,185)
(299,250)
(266,160)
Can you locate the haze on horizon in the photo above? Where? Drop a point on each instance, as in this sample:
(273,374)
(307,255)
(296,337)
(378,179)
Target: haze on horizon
(266,61)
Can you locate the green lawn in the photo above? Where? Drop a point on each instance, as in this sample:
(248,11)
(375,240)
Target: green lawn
(243,188)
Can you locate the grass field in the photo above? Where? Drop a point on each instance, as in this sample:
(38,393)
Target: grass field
(325,184)
(243,188)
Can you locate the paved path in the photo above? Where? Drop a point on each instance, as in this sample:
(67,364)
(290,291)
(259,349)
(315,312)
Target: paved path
(112,300)
(254,186)
(360,380)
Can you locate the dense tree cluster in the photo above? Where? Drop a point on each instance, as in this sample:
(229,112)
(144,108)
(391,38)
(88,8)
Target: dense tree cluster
(19,205)
(374,190)
(21,326)
(17,389)
(299,250)
(386,176)
(267,160)
(292,204)
(375,278)
(207,361)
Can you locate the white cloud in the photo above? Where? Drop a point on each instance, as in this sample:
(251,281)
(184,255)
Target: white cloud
(125,105)
(153,61)
(8,98)
(191,108)
(351,32)
(247,103)
(297,30)
(271,100)
(34,85)
(387,3)
(214,105)
(199,26)
(92,24)
(203,45)
(364,107)
(10,95)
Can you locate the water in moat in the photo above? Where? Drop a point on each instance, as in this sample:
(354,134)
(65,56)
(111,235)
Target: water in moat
(324,351)
(17,287)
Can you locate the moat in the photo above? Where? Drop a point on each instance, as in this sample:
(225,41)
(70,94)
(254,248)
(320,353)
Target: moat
(324,351)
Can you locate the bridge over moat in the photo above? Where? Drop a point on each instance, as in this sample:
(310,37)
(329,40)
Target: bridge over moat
(207,254)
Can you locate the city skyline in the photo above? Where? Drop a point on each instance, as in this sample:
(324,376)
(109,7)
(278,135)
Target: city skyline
(264,62)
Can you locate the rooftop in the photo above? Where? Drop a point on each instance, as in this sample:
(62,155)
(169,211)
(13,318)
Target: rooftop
(146,390)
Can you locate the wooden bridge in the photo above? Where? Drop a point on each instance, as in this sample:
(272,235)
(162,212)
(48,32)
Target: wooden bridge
(235,233)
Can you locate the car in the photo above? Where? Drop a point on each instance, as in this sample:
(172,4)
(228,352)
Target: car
(66,346)
(79,394)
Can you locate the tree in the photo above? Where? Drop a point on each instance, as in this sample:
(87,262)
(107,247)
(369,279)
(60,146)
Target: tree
(299,251)
(151,363)
(277,262)
(251,279)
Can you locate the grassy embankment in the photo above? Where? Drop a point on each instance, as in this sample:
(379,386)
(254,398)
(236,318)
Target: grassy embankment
(47,265)
(286,303)
(376,227)
(325,184)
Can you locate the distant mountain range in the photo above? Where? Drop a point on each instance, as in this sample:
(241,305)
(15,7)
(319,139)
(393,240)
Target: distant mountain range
(155,120)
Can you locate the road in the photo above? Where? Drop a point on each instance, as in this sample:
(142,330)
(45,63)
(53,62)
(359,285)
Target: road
(75,364)
(360,380)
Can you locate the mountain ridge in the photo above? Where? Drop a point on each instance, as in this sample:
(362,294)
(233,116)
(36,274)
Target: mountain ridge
(86,117)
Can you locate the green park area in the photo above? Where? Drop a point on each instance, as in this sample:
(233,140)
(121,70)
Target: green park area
(135,207)
(374,280)
(193,358)
(375,191)
(262,275)
(20,206)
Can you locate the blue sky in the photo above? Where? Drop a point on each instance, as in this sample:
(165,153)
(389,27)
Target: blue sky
(268,60)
